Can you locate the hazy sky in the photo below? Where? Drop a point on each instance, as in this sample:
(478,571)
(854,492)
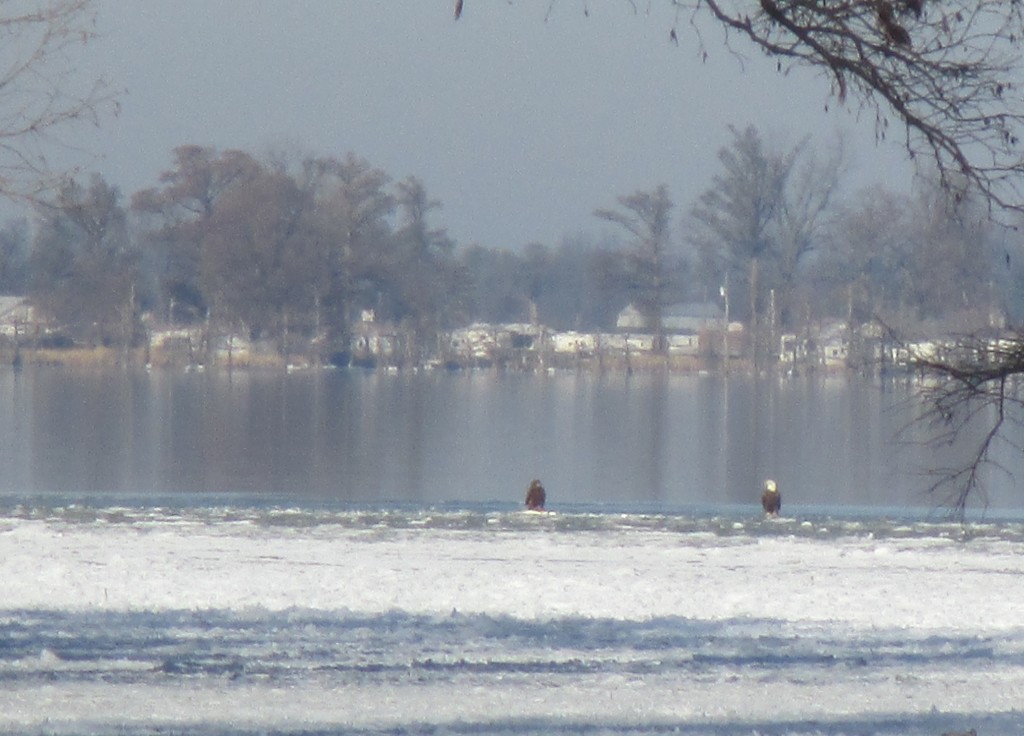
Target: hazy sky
(520,126)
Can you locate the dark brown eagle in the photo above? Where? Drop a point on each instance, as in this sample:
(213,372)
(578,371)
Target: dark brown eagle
(535,496)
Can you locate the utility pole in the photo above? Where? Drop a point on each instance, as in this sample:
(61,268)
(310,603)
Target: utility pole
(724,292)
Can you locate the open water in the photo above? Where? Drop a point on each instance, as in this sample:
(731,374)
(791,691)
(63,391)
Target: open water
(654,442)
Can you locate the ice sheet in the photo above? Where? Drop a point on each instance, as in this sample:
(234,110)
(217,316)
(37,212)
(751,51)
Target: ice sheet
(493,623)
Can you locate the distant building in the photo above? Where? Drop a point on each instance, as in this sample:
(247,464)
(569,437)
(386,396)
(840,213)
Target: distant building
(374,343)
(473,345)
(683,344)
(824,344)
(485,344)
(684,318)
(577,343)
(693,317)
(15,315)
(630,318)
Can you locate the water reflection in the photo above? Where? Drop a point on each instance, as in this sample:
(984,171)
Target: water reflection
(658,440)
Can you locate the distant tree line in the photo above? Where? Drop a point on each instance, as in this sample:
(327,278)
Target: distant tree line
(296,250)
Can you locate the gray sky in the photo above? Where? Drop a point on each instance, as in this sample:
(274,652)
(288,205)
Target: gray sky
(521,126)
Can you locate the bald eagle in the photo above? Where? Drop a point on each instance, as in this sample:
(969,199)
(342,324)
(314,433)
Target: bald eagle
(535,496)
(771,499)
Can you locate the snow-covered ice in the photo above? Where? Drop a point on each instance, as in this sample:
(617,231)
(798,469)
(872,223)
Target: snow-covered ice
(238,620)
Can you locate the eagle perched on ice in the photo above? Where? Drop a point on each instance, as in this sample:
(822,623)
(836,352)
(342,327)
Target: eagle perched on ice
(771,499)
(535,496)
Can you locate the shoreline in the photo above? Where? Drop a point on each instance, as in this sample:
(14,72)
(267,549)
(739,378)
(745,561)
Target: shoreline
(152,359)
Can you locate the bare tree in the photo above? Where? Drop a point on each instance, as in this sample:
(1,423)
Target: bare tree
(259,255)
(424,273)
(866,255)
(15,247)
(176,219)
(907,260)
(646,217)
(973,395)
(40,96)
(739,218)
(353,205)
(945,70)
(84,268)
(917,269)
(803,220)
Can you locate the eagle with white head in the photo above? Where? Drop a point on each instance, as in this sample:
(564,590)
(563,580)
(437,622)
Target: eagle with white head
(771,499)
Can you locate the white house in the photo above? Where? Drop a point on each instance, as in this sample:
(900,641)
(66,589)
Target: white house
(15,314)
(691,317)
(630,318)
(579,343)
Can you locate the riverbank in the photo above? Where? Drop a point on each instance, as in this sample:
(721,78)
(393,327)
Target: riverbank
(104,357)
(109,357)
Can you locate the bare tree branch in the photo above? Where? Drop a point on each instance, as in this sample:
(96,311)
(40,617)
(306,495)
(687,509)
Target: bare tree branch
(40,96)
(946,70)
(968,383)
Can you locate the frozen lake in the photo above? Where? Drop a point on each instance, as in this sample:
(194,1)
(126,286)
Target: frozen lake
(261,618)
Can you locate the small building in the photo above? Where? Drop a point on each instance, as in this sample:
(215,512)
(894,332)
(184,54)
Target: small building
(630,318)
(482,344)
(232,347)
(833,344)
(826,344)
(693,318)
(374,343)
(576,343)
(683,318)
(521,336)
(473,345)
(640,343)
(15,315)
(176,345)
(611,342)
(834,352)
(688,344)
(792,349)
